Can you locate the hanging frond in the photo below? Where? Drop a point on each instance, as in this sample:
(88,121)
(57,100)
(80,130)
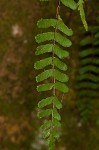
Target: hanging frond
(88,75)
(53,68)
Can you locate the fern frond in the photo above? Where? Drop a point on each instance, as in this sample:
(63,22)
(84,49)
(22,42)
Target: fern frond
(56,115)
(94,61)
(88,93)
(58,78)
(86,41)
(88,78)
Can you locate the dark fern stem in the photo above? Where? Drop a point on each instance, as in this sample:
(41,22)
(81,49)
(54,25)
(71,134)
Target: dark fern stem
(88,74)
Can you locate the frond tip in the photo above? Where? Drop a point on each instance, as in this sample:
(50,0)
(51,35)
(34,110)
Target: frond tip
(82,13)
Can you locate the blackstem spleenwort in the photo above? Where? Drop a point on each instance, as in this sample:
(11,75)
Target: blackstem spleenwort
(87,86)
(56,39)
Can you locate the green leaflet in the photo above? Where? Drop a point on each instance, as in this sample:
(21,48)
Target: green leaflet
(96,43)
(56,115)
(46,125)
(45,102)
(56,123)
(45,87)
(57,103)
(86,52)
(45,113)
(90,61)
(88,68)
(88,93)
(70,3)
(88,85)
(48,86)
(62,40)
(46,23)
(49,73)
(46,133)
(48,101)
(48,61)
(51,142)
(61,87)
(89,76)
(86,41)
(48,48)
(97,35)
(82,14)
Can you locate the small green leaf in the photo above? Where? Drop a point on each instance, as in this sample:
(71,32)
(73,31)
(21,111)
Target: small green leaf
(59,64)
(89,68)
(56,115)
(89,93)
(70,3)
(46,23)
(61,87)
(57,103)
(51,141)
(55,134)
(46,134)
(88,76)
(87,85)
(44,113)
(45,87)
(44,75)
(50,73)
(46,125)
(62,40)
(86,52)
(48,61)
(86,41)
(45,102)
(56,123)
(43,63)
(48,48)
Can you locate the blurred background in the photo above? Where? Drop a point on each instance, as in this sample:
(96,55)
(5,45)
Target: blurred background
(19,125)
